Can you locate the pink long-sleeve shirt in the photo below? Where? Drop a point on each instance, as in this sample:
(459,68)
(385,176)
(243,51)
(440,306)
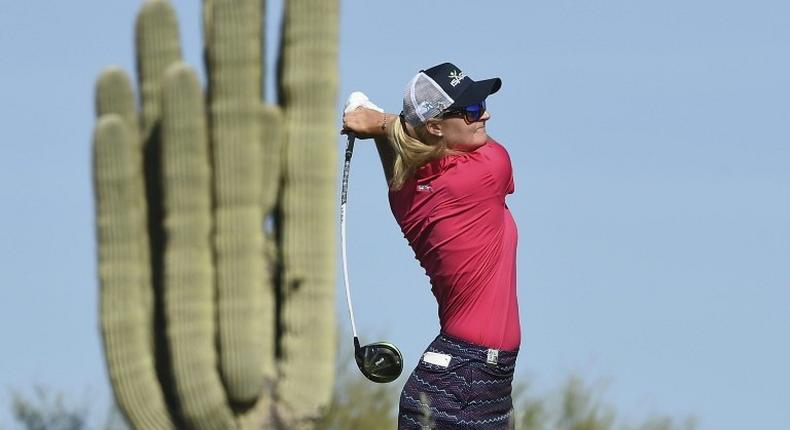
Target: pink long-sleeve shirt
(454,215)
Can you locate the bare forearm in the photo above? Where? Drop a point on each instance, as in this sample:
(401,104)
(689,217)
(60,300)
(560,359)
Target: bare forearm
(367,123)
(386,154)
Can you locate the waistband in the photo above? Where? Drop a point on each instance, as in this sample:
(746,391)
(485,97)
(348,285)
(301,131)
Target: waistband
(461,348)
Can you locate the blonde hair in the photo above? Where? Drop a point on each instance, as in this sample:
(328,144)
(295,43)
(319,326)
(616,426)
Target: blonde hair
(410,152)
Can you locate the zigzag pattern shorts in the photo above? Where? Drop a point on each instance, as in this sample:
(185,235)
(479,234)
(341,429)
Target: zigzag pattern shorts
(468,392)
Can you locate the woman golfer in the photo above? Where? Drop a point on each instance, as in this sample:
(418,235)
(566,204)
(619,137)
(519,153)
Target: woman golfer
(447,186)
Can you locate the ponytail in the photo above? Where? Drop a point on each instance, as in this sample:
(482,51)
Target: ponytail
(410,153)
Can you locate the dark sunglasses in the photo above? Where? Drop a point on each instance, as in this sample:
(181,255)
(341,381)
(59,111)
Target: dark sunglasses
(470,114)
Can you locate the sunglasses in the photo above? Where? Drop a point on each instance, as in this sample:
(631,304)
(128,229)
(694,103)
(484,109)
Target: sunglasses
(470,114)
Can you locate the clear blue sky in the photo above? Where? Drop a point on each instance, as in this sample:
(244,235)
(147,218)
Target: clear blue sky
(650,143)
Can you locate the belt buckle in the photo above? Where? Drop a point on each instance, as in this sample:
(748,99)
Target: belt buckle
(492,357)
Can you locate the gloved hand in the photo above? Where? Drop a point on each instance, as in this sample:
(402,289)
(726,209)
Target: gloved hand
(362,117)
(357,99)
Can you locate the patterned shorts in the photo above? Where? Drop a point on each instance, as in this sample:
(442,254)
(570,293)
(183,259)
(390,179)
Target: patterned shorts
(458,385)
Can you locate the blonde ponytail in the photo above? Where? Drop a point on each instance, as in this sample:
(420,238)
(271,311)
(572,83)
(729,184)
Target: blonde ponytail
(410,152)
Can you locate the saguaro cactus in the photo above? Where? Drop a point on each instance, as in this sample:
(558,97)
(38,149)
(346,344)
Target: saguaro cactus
(215,222)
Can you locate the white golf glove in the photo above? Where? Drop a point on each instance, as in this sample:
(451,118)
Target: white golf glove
(357,99)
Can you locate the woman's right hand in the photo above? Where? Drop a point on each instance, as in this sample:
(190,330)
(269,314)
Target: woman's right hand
(366,123)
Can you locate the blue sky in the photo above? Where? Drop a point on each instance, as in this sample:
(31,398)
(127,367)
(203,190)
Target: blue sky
(650,147)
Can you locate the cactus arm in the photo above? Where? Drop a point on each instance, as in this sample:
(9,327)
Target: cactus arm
(130,361)
(157,46)
(189,271)
(114,94)
(308,87)
(270,119)
(234,60)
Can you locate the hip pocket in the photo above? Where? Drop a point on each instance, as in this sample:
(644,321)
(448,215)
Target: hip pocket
(434,379)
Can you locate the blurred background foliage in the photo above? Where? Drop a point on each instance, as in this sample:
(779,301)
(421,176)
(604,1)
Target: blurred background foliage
(361,405)
(358,404)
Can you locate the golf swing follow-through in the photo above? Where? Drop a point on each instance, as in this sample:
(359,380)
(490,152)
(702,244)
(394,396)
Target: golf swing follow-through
(447,184)
(381,361)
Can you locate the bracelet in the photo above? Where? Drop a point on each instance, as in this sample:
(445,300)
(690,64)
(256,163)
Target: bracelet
(384,124)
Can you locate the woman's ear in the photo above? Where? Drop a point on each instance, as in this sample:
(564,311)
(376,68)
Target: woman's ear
(433,127)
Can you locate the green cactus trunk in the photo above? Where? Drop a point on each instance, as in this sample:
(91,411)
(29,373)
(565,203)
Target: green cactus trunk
(308,96)
(188,262)
(215,222)
(125,321)
(234,60)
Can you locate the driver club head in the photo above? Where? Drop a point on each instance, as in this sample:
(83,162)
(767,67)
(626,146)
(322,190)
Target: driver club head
(380,362)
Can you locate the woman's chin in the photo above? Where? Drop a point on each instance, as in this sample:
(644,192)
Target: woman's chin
(468,147)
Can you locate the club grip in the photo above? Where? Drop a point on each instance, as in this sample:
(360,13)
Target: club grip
(350,146)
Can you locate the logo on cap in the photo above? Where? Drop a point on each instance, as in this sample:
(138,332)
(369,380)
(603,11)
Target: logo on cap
(456,77)
(425,106)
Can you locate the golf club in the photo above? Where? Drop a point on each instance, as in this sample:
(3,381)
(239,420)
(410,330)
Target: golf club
(380,361)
